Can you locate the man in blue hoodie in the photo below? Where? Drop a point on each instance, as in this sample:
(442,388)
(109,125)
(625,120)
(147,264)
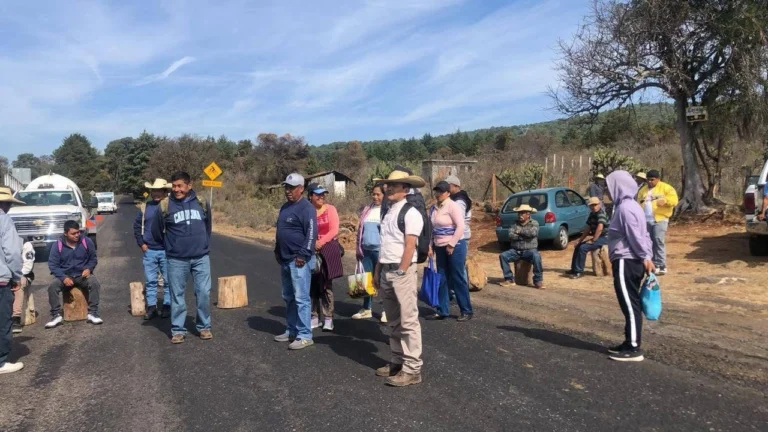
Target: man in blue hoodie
(72,261)
(154,260)
(184,224)
(631,254)
(295,252)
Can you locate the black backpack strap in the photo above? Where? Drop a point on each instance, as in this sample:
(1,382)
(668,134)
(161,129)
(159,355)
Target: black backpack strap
(401,216)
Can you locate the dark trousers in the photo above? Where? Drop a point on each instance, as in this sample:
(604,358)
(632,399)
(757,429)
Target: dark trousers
(6,310)
(627,278)
(581,251)
(531,255)
(90,287)
(453,276)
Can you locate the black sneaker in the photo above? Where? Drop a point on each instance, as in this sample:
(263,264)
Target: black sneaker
(16,325)
(151,313)
(619,348)
(628,355)
(166,311)
(464,318)
(576,275)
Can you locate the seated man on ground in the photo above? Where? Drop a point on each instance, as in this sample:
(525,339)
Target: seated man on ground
(72,261)
(594,236)
(523,236)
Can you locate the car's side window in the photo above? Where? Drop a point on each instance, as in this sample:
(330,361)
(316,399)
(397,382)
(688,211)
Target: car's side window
(575,199)
(561,200)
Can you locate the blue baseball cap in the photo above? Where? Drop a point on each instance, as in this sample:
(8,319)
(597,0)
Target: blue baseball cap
(317,189)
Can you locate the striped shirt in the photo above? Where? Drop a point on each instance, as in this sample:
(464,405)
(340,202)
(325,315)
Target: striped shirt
(596,218)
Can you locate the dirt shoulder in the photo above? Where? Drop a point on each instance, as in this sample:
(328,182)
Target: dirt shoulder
(715,316)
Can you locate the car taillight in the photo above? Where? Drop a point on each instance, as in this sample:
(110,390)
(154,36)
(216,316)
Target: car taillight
(550,218)
(749,203)
(498,221)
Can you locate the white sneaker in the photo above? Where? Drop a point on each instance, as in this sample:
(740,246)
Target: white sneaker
(316,323)
(328,326)
(54,322)
(93,319)
(662,271)
(383,317)
(363,314)
(9,367)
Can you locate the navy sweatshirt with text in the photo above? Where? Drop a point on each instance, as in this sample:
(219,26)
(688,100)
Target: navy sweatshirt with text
(296,231)
(72,261)
(187,227)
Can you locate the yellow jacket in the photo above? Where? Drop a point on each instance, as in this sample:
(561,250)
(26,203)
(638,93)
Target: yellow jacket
(662,190)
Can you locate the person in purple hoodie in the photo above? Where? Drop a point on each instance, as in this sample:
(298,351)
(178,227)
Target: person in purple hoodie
(631,254)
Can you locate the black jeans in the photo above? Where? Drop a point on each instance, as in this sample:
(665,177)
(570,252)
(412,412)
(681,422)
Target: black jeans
(90,287)
(6,310)
(627,278)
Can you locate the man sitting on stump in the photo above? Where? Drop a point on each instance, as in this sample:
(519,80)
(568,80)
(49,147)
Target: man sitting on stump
(594,236)
(524,238)
(72,261)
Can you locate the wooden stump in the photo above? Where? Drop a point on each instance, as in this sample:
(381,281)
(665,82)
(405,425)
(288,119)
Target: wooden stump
(475,275)
(138,304)
(28,312)
(233,292)
(601,263)
(75,304)
(523,273)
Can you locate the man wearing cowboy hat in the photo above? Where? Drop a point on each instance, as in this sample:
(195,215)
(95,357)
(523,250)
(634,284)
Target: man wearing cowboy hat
(594,236)
(395,277)
(524,238)
(153,248)
(10,277)
(596,188)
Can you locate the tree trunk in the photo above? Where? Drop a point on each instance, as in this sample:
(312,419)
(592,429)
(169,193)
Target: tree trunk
(692,198)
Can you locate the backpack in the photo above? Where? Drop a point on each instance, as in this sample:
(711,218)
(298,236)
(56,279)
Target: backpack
(422,246)
(60,245)
(164,210)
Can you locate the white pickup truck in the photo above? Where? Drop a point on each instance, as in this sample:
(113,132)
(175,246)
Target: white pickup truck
(753,206)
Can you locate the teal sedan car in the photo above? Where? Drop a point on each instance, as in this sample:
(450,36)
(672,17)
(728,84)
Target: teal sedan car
(561,213)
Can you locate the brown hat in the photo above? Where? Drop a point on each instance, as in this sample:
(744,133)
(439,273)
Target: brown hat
(7,196)
(594,201)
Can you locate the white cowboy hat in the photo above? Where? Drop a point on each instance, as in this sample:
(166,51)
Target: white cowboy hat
(7,196)
(594,201)
(600,176)
(402,177)
(525,208)
(641,175)
(158,184)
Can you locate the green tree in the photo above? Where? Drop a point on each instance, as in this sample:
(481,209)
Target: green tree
(412,150)
(115,160)
(244,148)
(28,160)
(78,160)
(132,177)
(459,143)
(503,141)
(227,150)
(607,160)
(429,143)
(3,166)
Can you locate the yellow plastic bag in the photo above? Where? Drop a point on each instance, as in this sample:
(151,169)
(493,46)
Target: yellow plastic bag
(361,283)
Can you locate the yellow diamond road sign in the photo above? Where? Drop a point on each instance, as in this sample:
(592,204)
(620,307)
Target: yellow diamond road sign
(213,171)
(146,194)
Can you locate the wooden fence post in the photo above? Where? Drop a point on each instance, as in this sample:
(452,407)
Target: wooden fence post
(493,189)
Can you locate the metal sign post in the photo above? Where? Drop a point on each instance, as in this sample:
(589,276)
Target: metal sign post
(212,171)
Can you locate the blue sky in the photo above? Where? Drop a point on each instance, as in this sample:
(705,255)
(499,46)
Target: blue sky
(327,70)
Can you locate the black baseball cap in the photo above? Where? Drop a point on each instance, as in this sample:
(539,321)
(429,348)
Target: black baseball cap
(653,174)
(442,187)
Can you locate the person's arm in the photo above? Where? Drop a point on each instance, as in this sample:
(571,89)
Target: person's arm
(92,259)
(54,263)
(638,239)
(208,219)
(514,232)
(410,249)
(670,196)
(457,217)
(530,230)
(137,229)
(765,205)
(598,230)
(28,259)
(157,225)
(309,221)
(333,223)
(11,245)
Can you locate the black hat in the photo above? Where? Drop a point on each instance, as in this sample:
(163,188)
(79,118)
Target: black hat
(653,174)
(442,187)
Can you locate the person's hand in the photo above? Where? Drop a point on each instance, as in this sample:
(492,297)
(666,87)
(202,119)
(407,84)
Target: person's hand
(15,286)
(431,253)
(375,280)
(449,249)
(144,248)
(300,262)
(661,202)
(69,282)
(761,217)
(86,273)
(649,267)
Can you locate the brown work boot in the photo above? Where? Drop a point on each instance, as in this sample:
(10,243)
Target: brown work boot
(389,370)
(403,379)
(177,338)
(539,285)
(507,284)
(206,334)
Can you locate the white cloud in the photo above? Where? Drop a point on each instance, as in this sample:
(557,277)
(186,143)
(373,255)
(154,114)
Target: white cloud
(168,71)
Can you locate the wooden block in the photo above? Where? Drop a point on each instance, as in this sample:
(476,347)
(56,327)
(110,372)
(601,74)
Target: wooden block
(138,304)
(601,263)
(523,273)
(75,304)
(475,275)
(233,292)
(28,312)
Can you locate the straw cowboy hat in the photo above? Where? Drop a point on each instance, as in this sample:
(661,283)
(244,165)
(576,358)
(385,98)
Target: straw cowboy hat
(599,176)
(397,176)
(594,201)
(7,196)
(158,184)
(525,208)
(641,175)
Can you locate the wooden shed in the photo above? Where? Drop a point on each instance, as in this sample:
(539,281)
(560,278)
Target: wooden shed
(335,181)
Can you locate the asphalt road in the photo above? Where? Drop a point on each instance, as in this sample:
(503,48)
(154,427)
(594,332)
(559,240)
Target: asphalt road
(495,373)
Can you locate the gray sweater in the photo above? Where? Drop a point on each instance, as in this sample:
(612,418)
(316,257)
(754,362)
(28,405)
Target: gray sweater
(10,256)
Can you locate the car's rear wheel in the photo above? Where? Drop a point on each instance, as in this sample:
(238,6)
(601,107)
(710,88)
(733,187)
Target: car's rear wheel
(758,245)
(561,240)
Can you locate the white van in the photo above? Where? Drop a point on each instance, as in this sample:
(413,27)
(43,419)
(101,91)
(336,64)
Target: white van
(107,202)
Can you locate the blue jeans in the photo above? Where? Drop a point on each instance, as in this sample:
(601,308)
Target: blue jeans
(370,258)
(581,251)
(178,271)
(155,262)
(298,305)
(531,255)
(453,274)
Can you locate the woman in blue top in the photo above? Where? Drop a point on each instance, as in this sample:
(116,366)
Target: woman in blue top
(368,243)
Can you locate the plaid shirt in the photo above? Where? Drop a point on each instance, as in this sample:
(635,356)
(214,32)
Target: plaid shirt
(595,219)
(524,237)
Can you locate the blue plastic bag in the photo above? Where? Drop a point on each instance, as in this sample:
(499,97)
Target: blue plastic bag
(650,294)
(430,285)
